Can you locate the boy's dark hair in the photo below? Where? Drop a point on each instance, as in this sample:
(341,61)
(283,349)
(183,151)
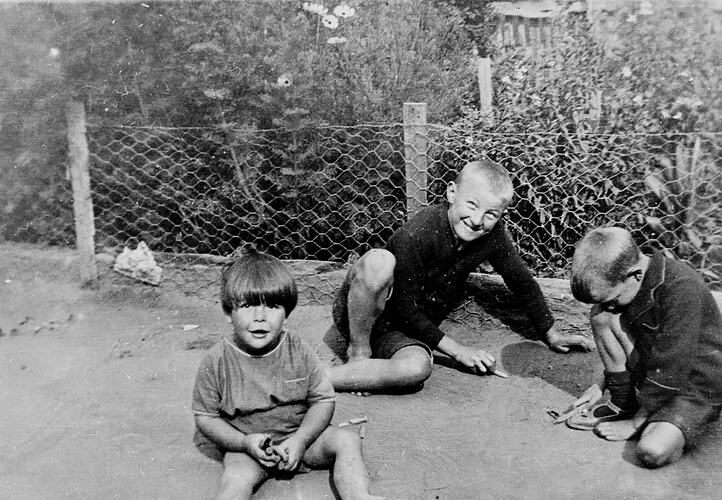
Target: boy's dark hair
(496,175)
(607,253)
(257,278)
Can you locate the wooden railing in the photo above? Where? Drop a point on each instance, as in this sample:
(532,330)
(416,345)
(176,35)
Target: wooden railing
(529,23)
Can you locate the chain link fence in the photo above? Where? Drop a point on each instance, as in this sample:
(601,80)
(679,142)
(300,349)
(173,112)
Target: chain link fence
(195,196)
(316,197)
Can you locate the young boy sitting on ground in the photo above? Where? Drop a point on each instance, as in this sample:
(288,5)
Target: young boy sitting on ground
(393,300)
(657,329)
(261,395)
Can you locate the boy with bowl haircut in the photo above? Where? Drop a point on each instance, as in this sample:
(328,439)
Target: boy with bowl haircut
(261,396)
(393,299)
(658,331)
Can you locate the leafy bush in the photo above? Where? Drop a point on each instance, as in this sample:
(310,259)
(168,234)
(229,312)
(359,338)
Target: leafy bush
(239,65)
(35,195)
(264,64)
(580,130)
(663,66)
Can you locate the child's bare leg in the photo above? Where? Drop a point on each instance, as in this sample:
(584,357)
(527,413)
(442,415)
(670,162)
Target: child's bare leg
(615,346)
(661,443)
(370,281)
(409,366)
(341,448)
(241,474)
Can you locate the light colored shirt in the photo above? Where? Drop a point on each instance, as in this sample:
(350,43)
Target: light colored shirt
(269,393)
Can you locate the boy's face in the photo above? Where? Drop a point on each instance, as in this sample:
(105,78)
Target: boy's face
(613,298)
(257,329)
(474,208)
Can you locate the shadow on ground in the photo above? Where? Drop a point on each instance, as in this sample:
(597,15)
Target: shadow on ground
(570,372)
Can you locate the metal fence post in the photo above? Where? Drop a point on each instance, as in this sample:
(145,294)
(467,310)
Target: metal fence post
(415,154)
(82,199)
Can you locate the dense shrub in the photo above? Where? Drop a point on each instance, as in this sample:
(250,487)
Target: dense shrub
(267,78)
(35,195)
(662,66)
(249,65)
(262,64)
(607,110)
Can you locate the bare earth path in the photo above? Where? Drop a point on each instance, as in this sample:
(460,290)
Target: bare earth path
(95,393)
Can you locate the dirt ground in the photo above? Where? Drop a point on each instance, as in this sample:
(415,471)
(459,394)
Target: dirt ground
(95,389)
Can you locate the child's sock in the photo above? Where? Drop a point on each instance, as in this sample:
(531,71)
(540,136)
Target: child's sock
(621,390)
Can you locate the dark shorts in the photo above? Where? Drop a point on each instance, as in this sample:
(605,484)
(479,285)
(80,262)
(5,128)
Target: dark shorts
(384,342)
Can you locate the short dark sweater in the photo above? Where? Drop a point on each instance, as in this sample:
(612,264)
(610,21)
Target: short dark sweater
(432,268)
(678,342)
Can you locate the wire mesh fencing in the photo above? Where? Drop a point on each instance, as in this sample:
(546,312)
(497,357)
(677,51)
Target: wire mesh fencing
(195,196)
(664,189)
(317,197)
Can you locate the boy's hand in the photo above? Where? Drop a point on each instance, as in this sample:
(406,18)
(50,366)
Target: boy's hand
(589,397)
(291,453)
(561,342)
(477,360)
(259,447)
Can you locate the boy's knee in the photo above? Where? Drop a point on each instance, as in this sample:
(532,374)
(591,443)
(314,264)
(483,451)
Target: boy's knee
(347,440)
(375,269)
(423,371)
(415,368)
(339,442)
(655,452)
(237,481)
(241,473)
(652,455)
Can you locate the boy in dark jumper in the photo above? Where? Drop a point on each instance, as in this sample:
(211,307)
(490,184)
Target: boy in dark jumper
(393,300)
(659,333)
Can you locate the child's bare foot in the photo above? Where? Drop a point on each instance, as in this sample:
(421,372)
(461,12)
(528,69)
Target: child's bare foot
(619,430)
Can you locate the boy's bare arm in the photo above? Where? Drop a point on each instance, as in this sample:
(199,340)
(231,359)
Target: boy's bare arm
(227,437)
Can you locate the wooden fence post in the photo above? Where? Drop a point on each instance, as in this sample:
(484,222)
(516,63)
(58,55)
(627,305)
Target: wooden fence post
(415,154)
(82,199)
(485,92)
(502,29)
